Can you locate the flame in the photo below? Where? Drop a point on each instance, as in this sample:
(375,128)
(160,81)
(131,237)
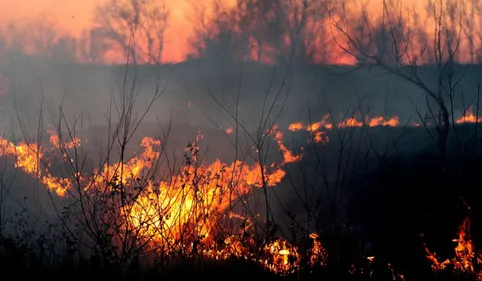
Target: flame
(28,157)
(465,258)
(318,254)
(319,129)
(184,212)
(296,127)
(195,197)
(278,256)
(380,121)
(321,137)
(326,124)
(283,258)
(287,154)
(469,117)
(55,141)
(350,122)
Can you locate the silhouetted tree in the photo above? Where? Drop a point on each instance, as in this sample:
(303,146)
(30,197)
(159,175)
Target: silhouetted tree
(393,44)
(135,26)
(271,30)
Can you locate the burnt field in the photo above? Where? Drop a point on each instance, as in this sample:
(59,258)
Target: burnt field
(183,171)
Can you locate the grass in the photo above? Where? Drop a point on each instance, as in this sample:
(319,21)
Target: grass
(387,213)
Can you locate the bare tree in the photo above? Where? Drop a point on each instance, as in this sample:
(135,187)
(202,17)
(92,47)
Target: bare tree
(394,44)
(261,30)
(136,26)
(92,45)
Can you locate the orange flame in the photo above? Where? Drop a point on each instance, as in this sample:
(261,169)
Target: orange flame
(296,127)
(318,129)
(465,257)
(287,154)
(188,206)
(469,117)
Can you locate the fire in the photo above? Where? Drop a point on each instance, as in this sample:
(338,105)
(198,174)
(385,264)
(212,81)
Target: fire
(185,212)
(278,256)
(348,122)
(319,129)
(287,154)
(128,172)
(195,197)
(469,117)
(190,207)
(296,127)
(465,259)
(28,157)
(380,121)
(318,254)
(54,140)
(182,214)
(282,258)
(321,137)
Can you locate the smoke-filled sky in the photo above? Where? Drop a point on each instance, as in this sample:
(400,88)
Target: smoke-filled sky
(60,10)
(63,10)
(74,16)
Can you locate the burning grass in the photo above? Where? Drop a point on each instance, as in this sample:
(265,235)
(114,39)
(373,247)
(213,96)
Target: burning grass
(200,211)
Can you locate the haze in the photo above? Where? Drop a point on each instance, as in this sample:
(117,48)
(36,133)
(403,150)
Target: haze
(60,49)
(73,17)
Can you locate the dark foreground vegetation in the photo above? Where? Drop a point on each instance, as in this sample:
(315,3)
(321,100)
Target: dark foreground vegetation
(398,203)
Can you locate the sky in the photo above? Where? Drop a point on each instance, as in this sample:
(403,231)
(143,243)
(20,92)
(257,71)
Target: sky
(81,10)
(74,16)
(61,11)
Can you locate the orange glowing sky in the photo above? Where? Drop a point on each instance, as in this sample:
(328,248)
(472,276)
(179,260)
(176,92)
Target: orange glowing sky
(73,16)
(59,10)
(81,10)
